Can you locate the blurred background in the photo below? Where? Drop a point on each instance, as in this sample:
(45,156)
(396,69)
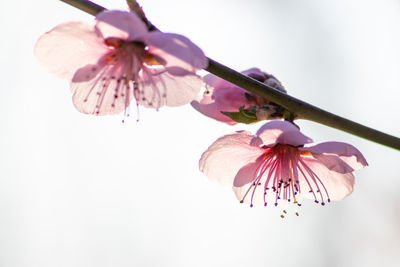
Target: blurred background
(78,190)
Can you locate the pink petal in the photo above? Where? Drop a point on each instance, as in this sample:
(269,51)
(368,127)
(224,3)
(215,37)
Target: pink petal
(121,24)
(282,132)
(338,185)
(246,193)
(224,158)
(213,81)
(334,163)
(224,97)
(161,88)
(248,173)
(216,82)
(208,107)
(95,90)
(228,100)
(220,84)
(348,153)
(181,56)
(68,47)
(231,99)
(294,138)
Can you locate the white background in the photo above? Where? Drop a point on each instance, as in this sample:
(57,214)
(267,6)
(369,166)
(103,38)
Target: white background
(78,190)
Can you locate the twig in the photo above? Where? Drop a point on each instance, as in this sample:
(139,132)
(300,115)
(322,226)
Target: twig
(87,6)
(300,108)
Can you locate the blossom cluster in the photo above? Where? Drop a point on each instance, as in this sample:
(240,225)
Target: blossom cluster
(117,60)
(275,165)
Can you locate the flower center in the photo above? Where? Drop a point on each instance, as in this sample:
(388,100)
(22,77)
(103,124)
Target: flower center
(279,174)
(121,48)
(122,74)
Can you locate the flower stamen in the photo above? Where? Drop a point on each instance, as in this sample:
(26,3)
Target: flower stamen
(284,165)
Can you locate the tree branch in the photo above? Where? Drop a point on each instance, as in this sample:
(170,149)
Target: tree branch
(300,108)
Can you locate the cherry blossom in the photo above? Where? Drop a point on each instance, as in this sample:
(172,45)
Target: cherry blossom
(223,96)
(274,165)
(117,59)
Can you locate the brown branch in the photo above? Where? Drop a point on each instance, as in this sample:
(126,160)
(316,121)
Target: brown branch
(294,105)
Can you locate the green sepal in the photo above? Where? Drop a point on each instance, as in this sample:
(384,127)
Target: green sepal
(246,116)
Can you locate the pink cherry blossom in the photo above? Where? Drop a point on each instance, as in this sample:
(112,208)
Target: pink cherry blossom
(223,96)
(275,165)
(117,59)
